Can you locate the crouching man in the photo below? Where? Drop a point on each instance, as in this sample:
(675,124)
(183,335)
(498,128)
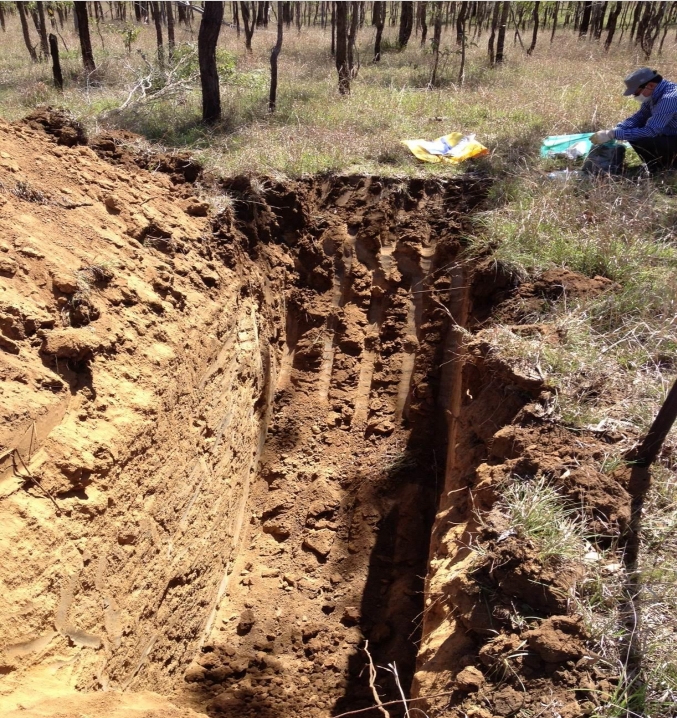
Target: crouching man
(652,131)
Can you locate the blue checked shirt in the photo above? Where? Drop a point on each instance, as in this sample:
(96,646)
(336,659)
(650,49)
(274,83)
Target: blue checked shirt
(657,116)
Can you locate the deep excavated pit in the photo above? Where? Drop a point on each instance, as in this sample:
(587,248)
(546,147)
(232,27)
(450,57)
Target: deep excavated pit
(247,436)
(246,466)
(345,496)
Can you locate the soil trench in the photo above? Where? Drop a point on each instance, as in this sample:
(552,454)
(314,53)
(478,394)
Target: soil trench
(226,432)
(344,500)
(246,433)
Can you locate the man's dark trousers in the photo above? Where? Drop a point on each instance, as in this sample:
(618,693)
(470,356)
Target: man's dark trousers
(659,153)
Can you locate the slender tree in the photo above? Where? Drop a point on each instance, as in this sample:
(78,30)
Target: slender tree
(236,19)
(207,38)
(171,40)
(157,19)
(249,21)
(534,36)
(406,24)
(56,65)
(21,6)
(437,40)
(274,54)
(352,37)
(342,48)
(611,25)
(554,22)
(503,24)
(42,29)
(494,28)
(80,8)
(333,29)
(460,22)
(423,8)
(585,20)
(379,17)
(2,18)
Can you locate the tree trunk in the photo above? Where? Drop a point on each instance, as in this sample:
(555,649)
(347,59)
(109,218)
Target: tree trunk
(137,12)
(423,7)
(611,26)
(554,22)
(635,18)
(236,18)
(248,21)
(503,24)
(207,38)
(599,21)
(460,23)
(26,32)
(287,14)
(261,17)
(157,19)
(406,24)
(2,18)
(492,37)
(352,36)
(652,29)
(379,17)
(342,48)
(644,23)
(437,39)
(333,29)
(464,44)
(534,36)
(44,44)
(585,20)
(171,41)
(80,8)
(274,54)
(56,65)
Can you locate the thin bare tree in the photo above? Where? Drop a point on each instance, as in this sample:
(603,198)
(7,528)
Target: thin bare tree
(406,24)
(21,6)
(342,47)
(534,35)
(502,26)
(249,22)
(80,8)
(56,64)
(437,40)
(379,19)
(157,19)
(208,37)
(274,54)
(42,30)
(171,40)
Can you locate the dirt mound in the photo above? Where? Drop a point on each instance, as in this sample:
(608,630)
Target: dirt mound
(225,434)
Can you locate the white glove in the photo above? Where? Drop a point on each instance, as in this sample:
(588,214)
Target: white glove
(603,136)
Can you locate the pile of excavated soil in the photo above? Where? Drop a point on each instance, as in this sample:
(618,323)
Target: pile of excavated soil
(224,447)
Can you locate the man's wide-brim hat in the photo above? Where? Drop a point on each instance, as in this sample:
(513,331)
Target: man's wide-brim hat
(638,78)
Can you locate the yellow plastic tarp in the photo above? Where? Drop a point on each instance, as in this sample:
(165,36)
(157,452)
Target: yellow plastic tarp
(450,149)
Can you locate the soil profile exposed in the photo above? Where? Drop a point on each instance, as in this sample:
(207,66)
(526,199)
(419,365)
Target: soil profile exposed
(226,432)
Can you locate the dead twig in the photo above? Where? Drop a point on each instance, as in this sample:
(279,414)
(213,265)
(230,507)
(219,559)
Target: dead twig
(32,478)
(372,679)
(396,702)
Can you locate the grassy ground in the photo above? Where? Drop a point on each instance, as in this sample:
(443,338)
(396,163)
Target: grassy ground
(617,357)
